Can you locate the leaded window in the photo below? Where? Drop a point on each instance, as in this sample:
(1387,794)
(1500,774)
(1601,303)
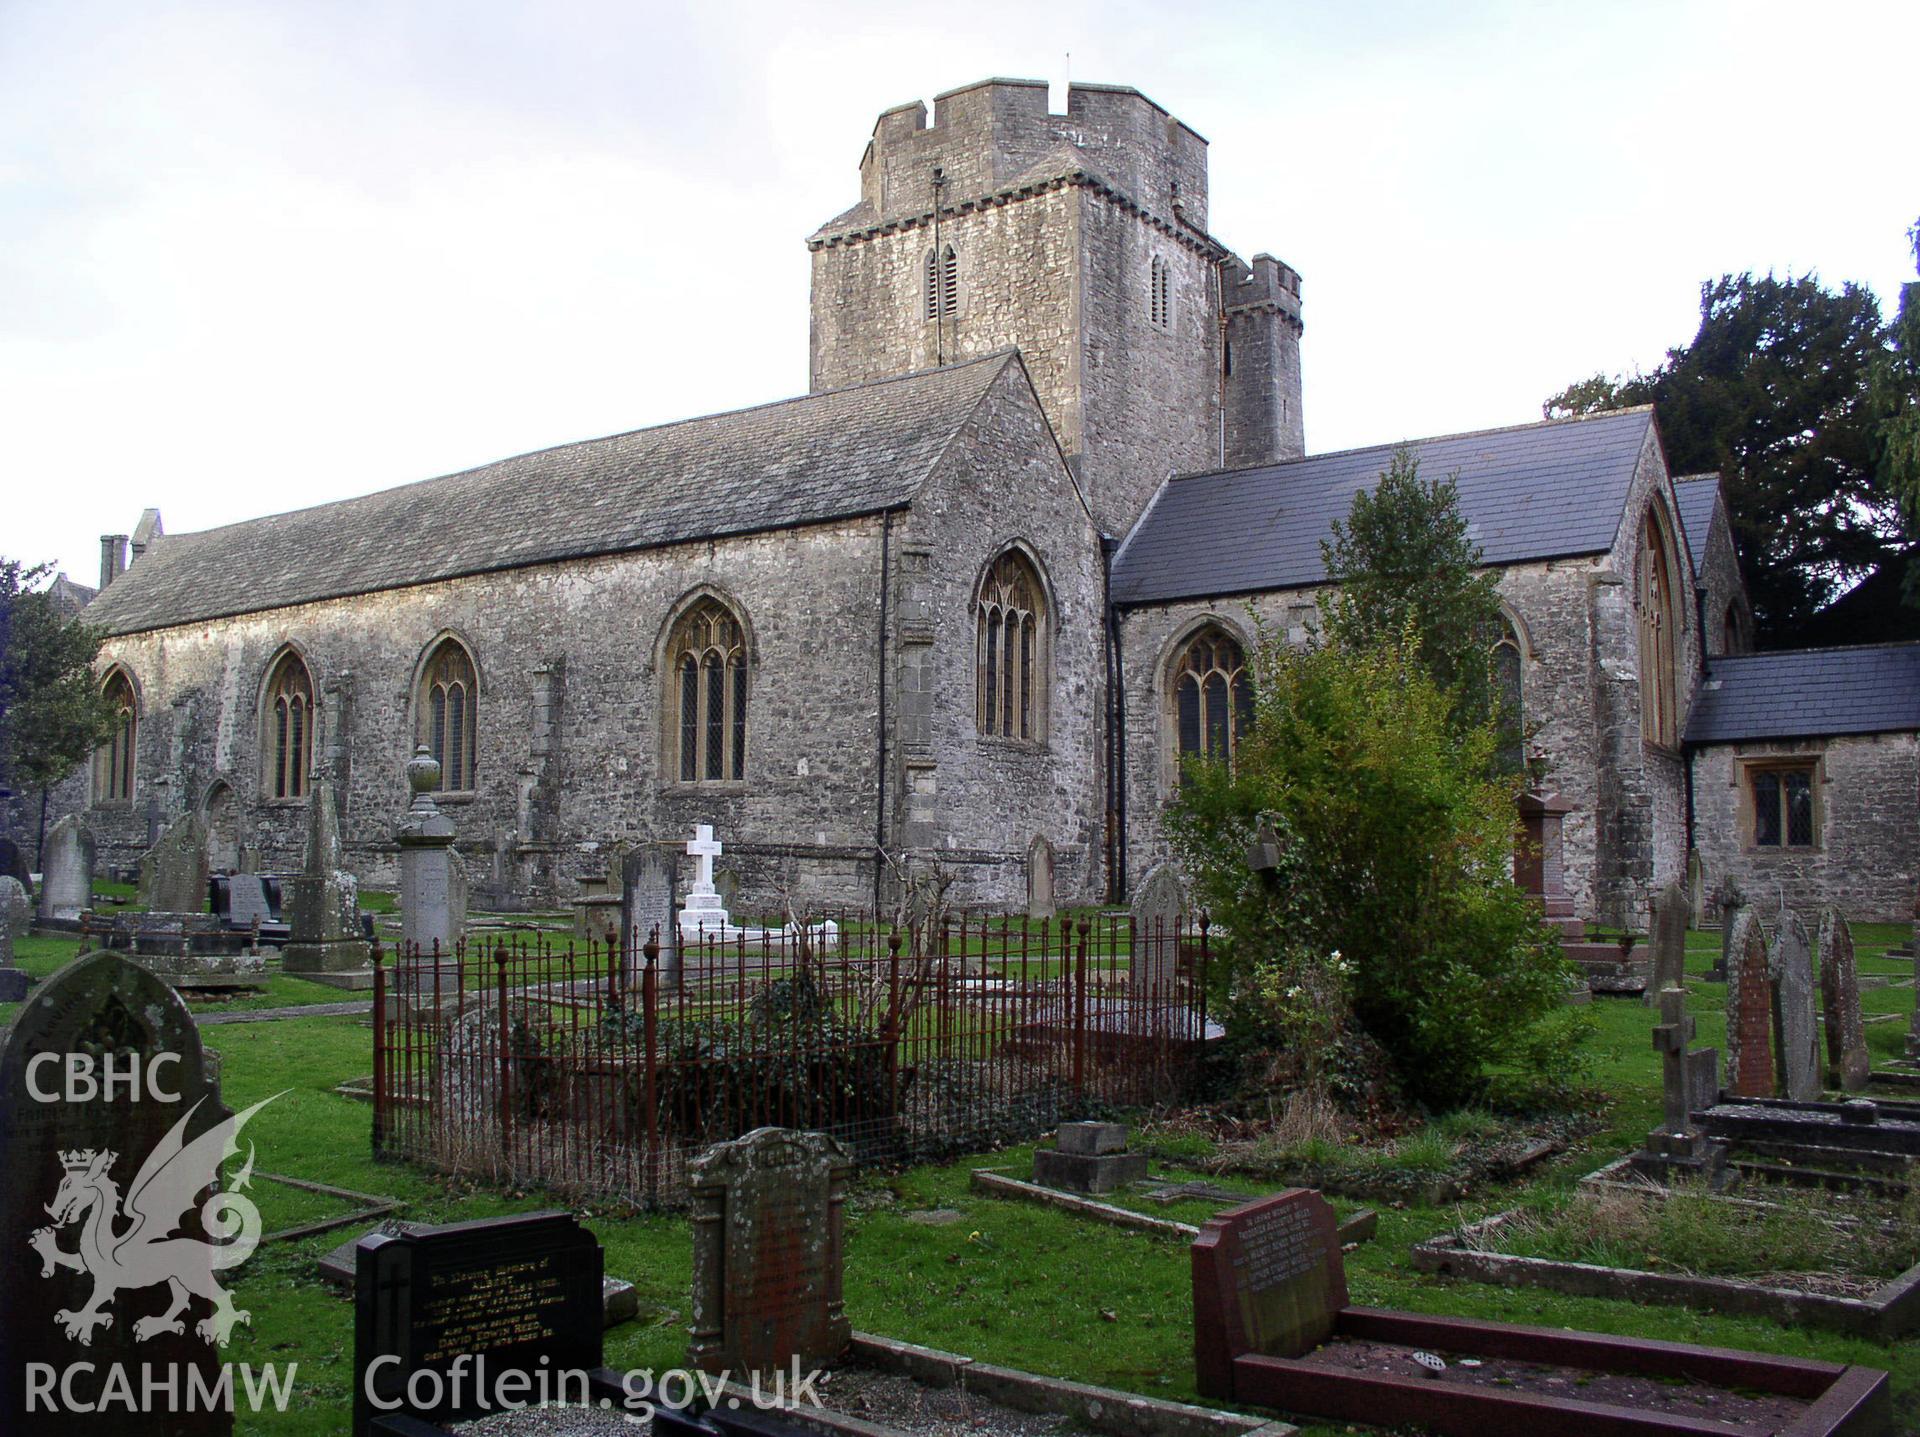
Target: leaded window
(450,714)
(1508,688)
(286,743)
(1659,635)
(1783,806)
(1011,651)
(707,659)
(113,760)
(1212,696)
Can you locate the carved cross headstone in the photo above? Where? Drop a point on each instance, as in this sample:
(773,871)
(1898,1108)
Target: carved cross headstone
(173,873)
(99,1010)
(704,848)
(1668,940)
(767,1245)
(1267,1278)
(1795,1029)
(1848,1063)
(1158,904)
(1670,1040)
(1749,1010)
(66,870)
(704,909)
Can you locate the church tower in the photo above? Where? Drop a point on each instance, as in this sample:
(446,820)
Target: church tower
(1080,239)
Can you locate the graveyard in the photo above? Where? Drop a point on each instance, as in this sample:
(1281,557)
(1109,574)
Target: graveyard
(933,1253)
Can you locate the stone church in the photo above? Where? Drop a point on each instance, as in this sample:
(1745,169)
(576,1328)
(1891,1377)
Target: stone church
(968,599)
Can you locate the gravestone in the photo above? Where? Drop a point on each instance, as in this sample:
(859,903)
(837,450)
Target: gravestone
(1158,904)
(173,873)
(705,912)
(1040,878)
(767,1244)
(16,921)
(1678,1143)
(1703,1079)
(323,900)
(1088,1158)
(66,870)
(1667,937)
(1267,1278)
(247,901)
(1730,907)
(1749,1010)
(432,907)
(519,1294)
(1848,1063)
(646,904)
(1796,1033)
(99,1009)
(13,864)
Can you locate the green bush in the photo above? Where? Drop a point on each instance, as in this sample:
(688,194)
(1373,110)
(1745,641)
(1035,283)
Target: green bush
(1395,886)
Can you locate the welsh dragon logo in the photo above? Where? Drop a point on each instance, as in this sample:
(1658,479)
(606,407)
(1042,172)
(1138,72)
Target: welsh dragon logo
(145,1251)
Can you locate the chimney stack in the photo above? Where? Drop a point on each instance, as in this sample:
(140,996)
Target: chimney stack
(113,558)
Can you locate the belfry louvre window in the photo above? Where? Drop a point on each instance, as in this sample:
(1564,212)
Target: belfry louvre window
(1011,651)
(286,741)
(113,760)
(1212,696)
(1783,805)
(1160,297)
(942,282)
(707,707)
(449,714)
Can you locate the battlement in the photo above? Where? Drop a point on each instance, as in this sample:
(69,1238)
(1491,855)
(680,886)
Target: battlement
(1266,283)
(987,134)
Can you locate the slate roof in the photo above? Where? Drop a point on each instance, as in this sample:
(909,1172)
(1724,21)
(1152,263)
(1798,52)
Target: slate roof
(1807,693)
(1538,491)
(807,460)
(1695,495)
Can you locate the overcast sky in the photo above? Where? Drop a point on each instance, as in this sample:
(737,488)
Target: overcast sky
(256,256)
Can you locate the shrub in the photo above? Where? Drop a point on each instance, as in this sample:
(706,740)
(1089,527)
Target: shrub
(1395,886)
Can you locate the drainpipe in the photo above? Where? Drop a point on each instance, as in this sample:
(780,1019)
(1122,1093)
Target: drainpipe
(880,735)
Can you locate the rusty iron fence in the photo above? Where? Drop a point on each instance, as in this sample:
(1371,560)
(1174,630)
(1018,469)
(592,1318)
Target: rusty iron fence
(603,1069)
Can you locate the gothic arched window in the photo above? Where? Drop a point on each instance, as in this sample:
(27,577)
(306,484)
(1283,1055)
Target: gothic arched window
(1011,651)
(1212,696)
(942,282)
(113,760)
(1508,688)
(1160,298)
(707,695)
(449,714)
(286,729)
(1659,634)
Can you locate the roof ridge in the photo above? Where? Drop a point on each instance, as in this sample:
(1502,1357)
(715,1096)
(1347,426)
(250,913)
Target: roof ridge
(1001,355)
(1422,439)
(1891,645)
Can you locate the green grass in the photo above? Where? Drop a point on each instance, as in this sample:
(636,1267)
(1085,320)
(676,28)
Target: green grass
(1012,1282)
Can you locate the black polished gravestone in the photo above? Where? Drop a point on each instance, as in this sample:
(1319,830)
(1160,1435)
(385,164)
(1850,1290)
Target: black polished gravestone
(73,1300)
(473,1318)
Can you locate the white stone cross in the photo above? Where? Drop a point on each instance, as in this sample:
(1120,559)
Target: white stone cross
(704,848)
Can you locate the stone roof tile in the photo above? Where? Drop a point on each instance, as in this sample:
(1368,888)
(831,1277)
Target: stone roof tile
(1808,693)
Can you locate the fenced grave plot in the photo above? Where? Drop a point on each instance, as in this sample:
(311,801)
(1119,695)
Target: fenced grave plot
(605,1069)
(1849,1266)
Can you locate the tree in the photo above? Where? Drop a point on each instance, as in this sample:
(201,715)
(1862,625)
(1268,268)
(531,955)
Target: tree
(1897,398)
(1395,898)
(1774,394)
(1405,564)
(52,715)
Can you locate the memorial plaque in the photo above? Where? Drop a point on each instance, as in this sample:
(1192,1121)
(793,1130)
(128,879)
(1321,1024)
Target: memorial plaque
(767,1245)
(517,1298)
(99,1009)
(1267,1278)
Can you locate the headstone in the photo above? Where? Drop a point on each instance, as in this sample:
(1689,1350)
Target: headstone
(16,921)
(173,873)
(1796,1032)
(13,864)
(646,904)
(1703,1079)
(66,870)
(704,910)
(80,1157)
(1678,1142)
(247,901)
(431,913)
(1668,940)
(1749,1010)
(1539,859)
(323,901)
(1848,1063)
(519,1294)
(1267,1278)
(1040,878)
(1158,905)
(1730,909)
(768,1213)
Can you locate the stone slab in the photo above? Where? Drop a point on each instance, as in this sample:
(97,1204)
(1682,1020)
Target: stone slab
(1093,1138)
(1087,1172)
